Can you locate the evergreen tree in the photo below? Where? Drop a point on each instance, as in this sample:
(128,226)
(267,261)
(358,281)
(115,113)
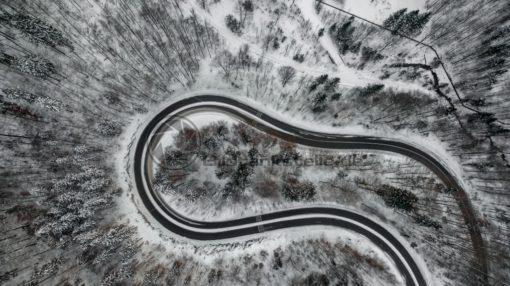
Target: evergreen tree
(247,5)
(495,55)
(392,21)
(32,65)
(233,24)
(398,198)
(299,57)
(109,128)
(37,31)
(407,23)
(17,95)
(319,103)
(343,37)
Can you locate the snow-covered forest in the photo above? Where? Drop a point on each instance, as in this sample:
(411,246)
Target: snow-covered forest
(79,78)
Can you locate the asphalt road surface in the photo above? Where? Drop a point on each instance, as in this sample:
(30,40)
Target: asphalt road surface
(217,230)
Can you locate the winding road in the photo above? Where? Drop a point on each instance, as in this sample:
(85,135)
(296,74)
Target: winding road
(217,230)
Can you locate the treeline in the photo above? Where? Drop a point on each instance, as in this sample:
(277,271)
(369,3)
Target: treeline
(351,35)
(38,31)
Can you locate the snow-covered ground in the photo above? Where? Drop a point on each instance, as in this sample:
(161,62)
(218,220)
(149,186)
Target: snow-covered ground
(348,75)
(327,43)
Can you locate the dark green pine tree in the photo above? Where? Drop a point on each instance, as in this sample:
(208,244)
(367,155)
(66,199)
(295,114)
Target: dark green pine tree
(36,30)
(392,21)
(407,23)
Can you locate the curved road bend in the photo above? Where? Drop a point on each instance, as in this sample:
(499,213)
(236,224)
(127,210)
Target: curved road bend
(214,230)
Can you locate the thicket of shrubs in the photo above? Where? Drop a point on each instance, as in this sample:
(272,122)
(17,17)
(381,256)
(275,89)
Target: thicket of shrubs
(296,190)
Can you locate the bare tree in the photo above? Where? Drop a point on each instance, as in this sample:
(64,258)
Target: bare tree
(226,61)
(286,73)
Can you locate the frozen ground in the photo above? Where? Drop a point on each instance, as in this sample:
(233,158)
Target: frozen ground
(79,78)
